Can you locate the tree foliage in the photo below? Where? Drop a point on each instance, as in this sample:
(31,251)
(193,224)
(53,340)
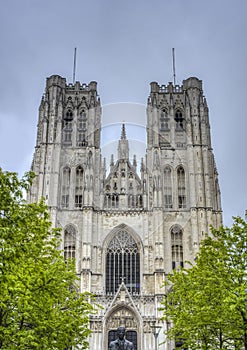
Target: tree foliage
(206,304)
(40,305)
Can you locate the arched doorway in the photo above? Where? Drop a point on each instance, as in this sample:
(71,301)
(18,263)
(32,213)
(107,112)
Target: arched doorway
(122,316)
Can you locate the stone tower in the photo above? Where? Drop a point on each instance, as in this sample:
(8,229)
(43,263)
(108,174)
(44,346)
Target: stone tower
(127,229)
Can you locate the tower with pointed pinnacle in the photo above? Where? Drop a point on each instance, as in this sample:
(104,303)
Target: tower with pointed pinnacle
(128,228)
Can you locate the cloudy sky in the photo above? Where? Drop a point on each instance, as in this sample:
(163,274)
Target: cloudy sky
(124,45)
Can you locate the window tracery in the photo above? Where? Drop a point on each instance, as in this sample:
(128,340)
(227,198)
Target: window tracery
(177,247)
(111,201)
(65,187)
(82,129)
(69,242)
(67,128)
(164,120)
(179,119)
(122,263)
(181,188)
(79,187)
(167,188)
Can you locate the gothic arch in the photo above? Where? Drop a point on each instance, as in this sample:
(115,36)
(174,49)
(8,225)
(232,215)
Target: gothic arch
(82,127)
(82,112)
(168,186)
(83,104)
(181,187)
(69,114)
(122,315)
(179,119)
(65,186)
(177,247)
(164,120)
(69,241)
(113,232)
(67,127)
(79,186)
(122,257)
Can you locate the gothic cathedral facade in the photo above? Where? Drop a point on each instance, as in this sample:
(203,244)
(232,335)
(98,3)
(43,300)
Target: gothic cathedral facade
(127,228)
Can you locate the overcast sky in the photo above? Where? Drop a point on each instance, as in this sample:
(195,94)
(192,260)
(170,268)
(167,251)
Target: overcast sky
(124,45)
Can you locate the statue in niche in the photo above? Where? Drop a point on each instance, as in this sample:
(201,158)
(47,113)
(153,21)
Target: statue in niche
(121,343)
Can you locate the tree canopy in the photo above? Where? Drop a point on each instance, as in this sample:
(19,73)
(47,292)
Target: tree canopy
(206,305)
(40,304)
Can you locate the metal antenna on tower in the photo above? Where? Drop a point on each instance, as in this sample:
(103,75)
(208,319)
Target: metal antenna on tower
(173,64)
(74,66)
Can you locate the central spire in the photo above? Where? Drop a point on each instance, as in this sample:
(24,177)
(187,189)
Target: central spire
(123,134)
(123,145)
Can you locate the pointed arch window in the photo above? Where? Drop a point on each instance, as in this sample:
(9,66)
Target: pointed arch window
(177,247)
(65,187)
(67,128)
(135,201)
(164,120)
(111,201)
(122,263)
(167,187)
(82,129)
(179,119)
(69,242)
(181,188)
(79,187)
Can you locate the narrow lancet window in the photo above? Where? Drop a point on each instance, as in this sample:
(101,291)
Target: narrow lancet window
(65,187)
(69,242)
(181,188)
(82,129)
(67,128)
(177,247)
(164,121)
(79,187)
(167,188)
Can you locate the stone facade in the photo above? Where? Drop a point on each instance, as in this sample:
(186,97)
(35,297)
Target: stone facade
(129,228)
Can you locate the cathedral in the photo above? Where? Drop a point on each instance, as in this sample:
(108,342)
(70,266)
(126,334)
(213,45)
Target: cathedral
(127,227)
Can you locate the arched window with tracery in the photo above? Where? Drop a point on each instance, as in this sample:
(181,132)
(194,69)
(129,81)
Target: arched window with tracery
(122,263)
(82,129)
(181,187)
(179,119)
(67,128)
(177,247)
(69,242)
(164,120)
(79,187)
(65,187)
(167,187)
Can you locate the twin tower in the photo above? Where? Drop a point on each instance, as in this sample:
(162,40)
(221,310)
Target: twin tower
(127,228)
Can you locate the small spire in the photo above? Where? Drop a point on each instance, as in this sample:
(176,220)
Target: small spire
(112,163)
(123,145)
(112,160)
(134,161)
(142,164)
(123,134)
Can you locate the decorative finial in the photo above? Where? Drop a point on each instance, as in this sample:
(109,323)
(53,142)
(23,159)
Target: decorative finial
(134,161)
(112,160)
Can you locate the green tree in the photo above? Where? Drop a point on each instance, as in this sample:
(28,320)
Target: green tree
(40,305)
(206,304)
